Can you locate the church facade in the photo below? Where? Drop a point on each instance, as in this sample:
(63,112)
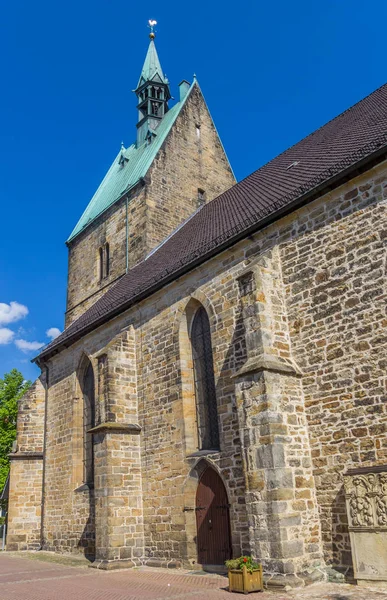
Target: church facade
(223,364)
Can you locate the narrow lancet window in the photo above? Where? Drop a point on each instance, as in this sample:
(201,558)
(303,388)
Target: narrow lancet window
(88,423)
(101,263)
(201,197)
(104,261)
(206,406)
(107,260)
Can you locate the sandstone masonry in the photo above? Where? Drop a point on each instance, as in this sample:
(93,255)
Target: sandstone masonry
(298,325)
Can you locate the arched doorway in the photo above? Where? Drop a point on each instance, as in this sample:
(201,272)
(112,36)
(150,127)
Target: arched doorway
(212,520)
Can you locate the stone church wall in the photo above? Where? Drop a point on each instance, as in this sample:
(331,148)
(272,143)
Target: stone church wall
(335,280)
(325,313)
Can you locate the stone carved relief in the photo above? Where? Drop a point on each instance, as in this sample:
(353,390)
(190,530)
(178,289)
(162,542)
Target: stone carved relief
(366,496)
(381,500)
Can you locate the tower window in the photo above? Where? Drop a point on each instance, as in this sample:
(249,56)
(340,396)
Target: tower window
(201,197)
(101,263)
(104,261)
(107,260)
(155,108)
(198,131)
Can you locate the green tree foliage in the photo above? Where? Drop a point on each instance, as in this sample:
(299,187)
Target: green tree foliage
(12,387)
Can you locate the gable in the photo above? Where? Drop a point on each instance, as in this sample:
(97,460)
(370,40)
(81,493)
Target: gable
(129,166)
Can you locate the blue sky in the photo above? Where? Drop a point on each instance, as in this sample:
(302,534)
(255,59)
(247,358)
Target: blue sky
(271,73)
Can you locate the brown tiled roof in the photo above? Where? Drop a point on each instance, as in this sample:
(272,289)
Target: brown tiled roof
(291,178)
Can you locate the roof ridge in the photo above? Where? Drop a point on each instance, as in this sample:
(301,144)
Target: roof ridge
(347,110)
(105,178)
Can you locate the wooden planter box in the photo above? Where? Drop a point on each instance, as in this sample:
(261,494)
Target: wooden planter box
(245,582)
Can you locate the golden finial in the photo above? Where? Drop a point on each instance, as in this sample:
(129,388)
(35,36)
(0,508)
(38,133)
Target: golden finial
(152,23)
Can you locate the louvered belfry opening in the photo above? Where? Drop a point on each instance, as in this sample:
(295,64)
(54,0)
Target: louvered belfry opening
(88,423)
(206,406)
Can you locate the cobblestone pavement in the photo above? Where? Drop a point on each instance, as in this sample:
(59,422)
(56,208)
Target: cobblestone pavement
(24,579)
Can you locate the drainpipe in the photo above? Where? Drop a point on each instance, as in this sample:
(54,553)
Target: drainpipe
(127,242)
(44,462)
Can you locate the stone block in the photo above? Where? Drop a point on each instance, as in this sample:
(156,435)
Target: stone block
(270,456)
(279,478)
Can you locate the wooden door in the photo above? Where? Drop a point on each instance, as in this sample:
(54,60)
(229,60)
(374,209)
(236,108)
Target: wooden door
(212,520)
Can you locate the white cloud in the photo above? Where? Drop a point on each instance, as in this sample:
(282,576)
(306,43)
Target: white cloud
(9,313)
(25,346)
(53,332)
(6,335)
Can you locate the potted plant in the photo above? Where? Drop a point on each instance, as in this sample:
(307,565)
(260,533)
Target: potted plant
(244,575)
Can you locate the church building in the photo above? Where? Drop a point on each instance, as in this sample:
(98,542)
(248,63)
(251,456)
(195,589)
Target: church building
(223,369)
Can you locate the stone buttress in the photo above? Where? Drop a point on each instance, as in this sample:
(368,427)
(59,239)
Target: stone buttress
(119,536)
(25,492)
(280,491)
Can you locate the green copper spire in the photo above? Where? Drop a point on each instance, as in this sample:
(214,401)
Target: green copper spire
(152,67)
(152,94)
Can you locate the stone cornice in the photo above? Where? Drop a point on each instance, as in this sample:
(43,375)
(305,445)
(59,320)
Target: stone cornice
(25,456)
(111,427)
(366,470)
(266,362)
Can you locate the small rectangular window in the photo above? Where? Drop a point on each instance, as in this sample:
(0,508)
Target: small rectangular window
(107,260)
(101,263)
(104,261)
(201,197)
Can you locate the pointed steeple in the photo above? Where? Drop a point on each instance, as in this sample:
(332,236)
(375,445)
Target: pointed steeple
(152,93)
(152,67)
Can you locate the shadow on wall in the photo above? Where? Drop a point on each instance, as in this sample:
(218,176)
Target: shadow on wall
(341,546)
(235,357)
(87,539)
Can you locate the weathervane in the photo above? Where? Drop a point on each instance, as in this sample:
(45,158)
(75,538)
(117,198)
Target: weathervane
(152,23)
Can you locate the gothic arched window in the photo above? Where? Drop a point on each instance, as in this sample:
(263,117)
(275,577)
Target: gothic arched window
(88,423)
(206,407)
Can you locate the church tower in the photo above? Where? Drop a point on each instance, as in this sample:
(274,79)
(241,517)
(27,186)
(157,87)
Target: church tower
(176,164)
(152,94)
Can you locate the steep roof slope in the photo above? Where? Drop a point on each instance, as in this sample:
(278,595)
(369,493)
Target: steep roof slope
(302,169)
(129,166)
(151,66)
